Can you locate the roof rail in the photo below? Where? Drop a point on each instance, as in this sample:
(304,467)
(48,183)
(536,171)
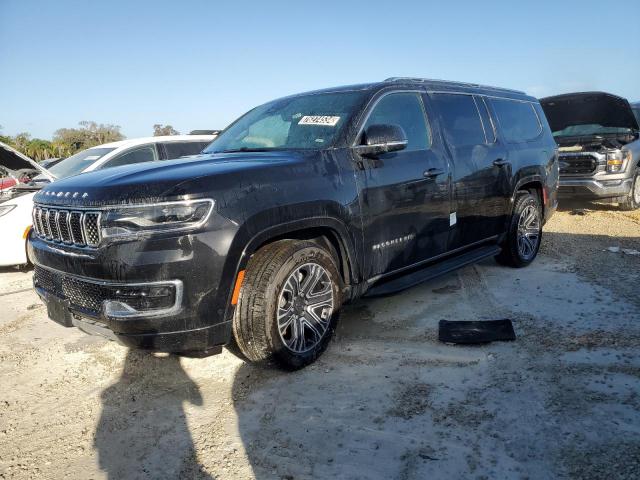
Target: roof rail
(449,82)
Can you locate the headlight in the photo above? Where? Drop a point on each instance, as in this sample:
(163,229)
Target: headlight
(134,220)
(4,209)
(617,160)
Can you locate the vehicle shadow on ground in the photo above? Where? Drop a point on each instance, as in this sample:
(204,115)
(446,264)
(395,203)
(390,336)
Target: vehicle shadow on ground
(143,424)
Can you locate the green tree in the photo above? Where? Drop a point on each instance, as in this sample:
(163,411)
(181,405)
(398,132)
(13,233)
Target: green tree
(90,134)
(160,130)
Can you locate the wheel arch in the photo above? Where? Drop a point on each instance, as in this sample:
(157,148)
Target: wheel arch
(328,231)
(531,184)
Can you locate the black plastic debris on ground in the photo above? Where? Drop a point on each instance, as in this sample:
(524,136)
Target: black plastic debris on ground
(475,331)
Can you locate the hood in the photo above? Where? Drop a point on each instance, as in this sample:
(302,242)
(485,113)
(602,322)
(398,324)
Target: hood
(13,160)
(587,108)
(167,179)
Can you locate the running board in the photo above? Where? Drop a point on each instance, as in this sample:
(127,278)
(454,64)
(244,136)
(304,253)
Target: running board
(432,271)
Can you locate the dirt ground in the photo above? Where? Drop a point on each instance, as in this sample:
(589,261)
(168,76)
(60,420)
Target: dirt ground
(387,400)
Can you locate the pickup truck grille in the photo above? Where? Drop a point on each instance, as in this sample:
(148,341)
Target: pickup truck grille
(578,164)
(67,226)
(82,295)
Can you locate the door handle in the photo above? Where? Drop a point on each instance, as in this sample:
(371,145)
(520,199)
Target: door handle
(499,162)
(433,172)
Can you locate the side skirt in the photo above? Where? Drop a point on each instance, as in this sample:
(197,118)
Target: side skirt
(397,283)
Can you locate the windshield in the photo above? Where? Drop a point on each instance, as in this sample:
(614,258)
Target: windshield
(304,122)
(75,164)
(590,129)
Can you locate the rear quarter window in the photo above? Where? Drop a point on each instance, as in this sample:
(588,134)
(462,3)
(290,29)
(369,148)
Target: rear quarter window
(183,149)
(518,121)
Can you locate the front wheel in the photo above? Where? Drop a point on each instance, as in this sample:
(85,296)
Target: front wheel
(288,304)
(524,235)
(632,202)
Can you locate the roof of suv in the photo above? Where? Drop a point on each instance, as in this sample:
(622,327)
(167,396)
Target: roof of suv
(165,138)
(444,85)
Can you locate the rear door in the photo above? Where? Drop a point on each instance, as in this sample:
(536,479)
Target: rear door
(404,195)
(480,168)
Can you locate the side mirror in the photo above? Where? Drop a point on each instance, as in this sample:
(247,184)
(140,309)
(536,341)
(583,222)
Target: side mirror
(379,139)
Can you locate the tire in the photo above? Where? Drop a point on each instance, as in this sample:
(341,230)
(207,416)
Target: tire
(632,201)
(524,234)
(281,318)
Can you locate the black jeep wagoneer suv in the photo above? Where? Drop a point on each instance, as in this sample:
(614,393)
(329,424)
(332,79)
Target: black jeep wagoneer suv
(300,205)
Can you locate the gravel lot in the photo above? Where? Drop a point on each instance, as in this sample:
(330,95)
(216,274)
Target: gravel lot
(385,401)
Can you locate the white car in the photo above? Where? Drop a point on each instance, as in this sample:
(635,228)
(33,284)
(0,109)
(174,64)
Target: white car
(21,177)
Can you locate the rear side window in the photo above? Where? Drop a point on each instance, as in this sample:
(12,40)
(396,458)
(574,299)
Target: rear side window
(462,124)
(518,120)
(405,110)
(182,149)
(138,155)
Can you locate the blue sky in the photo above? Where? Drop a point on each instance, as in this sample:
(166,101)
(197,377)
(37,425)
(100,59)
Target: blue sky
(200,64)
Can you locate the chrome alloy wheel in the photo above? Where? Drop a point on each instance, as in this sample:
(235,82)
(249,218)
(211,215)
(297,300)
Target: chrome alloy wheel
(528,232)
(305,306)
(636,190)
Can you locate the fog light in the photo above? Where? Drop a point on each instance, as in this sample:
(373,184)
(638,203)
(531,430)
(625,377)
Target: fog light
(136,300)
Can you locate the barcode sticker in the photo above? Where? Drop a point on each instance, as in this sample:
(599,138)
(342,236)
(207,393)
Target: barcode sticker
(321,120)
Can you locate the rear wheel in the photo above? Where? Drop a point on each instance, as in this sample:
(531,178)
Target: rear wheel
(632,202)
(288,304)
(524,236)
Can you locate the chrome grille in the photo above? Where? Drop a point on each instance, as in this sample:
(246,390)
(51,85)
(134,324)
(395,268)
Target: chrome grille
(64,225)
(578,164)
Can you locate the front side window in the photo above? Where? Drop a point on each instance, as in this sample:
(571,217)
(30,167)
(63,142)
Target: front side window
(406,111)
(312,121)
(137,155)
(75,164)
(518,120)
(461,121)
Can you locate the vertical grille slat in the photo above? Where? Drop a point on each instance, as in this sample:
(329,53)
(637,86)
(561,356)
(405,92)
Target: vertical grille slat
(90,223)
(75,223)
(45,223)
(39,220)
(63,226)
(69,226)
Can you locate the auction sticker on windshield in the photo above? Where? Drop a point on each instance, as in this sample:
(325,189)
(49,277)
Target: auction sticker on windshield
(322,120)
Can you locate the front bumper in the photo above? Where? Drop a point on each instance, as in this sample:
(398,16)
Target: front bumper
(593,188)
(199,262)
(80,298)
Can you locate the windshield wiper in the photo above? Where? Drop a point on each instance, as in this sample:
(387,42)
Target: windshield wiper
(246,149)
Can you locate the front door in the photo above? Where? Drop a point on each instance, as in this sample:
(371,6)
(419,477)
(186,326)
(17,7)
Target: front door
(404,195)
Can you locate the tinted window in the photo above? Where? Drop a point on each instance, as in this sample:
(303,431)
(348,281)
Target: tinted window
(489,132)
(518,120)
(459,114)
(182,149)
(139,155)
(405,110)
